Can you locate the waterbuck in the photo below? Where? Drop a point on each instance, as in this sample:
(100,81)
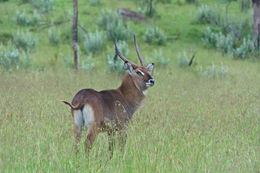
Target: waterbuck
(110,110)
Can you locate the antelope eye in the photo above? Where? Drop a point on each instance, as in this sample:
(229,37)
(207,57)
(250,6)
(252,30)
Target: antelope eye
(139,73)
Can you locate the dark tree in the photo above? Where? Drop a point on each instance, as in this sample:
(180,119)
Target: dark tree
(256,6)
(75,34)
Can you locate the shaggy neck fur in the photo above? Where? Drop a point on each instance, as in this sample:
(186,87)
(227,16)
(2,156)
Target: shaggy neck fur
(131,93)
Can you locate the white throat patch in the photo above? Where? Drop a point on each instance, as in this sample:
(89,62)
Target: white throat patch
(144,92)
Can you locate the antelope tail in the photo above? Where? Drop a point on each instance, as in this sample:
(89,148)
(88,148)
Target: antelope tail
(72,107)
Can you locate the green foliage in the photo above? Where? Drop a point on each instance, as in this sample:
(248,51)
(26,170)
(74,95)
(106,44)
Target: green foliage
(87,64)
(148,8)
(193,1)
(95,2)
(44,5)
(210,37)
(94,42)
(159,58)
(230,44)
(120,31)
(245,5)
(225,43)
(25,41)
(21,18)
(113,24)
(208,15)
(246,48)
(214,71)
(154,35)
(24,19)
(54,36)
(9,57)
(117,65)
(183,60)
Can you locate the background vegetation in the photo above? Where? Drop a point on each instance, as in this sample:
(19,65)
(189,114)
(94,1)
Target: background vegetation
(199,118)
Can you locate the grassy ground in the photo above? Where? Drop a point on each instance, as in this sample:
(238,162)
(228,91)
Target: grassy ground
(187,123)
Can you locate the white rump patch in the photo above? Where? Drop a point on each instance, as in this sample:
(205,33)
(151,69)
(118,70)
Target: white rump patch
(78,119)
(88,115)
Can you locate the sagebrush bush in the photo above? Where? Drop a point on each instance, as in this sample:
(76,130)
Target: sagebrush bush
(148,7)
(54,36)
(207,15)
(192,1)
(214,71)
(113,24)
(182,59)
(24,19)
(230,44)
(120,31)
(159,59)
(24,40)
(44,5)
(117,65)
(9,56)
(210,37)
(108,17)
(245,5)
(87,64)
(21,18)
(225,43)
(94,42)
(95,2)
(246,48)
(154,35)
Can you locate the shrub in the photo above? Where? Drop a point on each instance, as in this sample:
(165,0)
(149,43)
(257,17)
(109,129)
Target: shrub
(117,65)
(54,36)
(148,8)
(120,31)
(87,64)
(193,1)
(210,37)
(183,60)
(95,2)
(94,42)
(44,5)
(21,18)
(35,18)
(245,5)
(214,71)
(246,48)
(225,43)
(207,15)
(24,20)
(9,56)
(24,41)
(108,17)
(113,24)
(154,35)
(159,59)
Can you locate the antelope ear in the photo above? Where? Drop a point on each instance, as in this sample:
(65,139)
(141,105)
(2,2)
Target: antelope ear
(128,67)
(150,67)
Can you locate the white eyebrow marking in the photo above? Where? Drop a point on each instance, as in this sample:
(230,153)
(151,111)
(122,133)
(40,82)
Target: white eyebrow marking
(141,72)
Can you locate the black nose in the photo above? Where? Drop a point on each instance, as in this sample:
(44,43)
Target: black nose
(151,81)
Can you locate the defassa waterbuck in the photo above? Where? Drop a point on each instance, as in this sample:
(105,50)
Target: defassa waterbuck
(110,110)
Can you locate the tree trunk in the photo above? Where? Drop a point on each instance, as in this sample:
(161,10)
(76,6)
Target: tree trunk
(256,5)
(75,34)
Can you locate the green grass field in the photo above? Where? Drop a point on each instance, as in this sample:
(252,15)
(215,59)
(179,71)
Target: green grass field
(187,123)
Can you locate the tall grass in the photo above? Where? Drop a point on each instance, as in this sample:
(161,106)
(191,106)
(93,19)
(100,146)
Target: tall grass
(183,125)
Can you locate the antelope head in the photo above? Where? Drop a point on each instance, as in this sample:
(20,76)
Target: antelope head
(139,74)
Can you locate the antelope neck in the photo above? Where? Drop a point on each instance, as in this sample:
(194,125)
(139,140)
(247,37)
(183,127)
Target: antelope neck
(130,92)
